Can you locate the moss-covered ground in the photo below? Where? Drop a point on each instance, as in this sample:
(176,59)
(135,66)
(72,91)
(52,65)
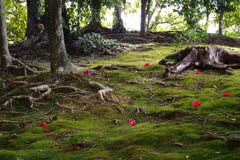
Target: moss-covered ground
(169,129)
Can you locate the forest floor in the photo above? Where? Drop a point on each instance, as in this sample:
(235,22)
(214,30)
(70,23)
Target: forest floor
(167,126)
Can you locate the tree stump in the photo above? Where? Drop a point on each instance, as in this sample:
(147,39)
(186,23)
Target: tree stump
(209,57)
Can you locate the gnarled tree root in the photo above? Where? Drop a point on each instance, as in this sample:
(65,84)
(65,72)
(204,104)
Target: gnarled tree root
(209,57)
(34,102)
(102,90)
(230,140)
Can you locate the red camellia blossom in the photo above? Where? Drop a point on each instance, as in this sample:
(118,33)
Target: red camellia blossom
(43,124)
(86,72)
(132,122)
(146,64)
(46,131)
(196,104)
(11,80)
(226,94)
(196,72)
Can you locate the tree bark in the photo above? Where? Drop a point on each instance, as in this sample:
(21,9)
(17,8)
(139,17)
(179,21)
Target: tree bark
(118,26)
(66,29)
(32,20)
(95,24)
(143,17)
(6,59)
(209,57)
(221,22)
(59,59)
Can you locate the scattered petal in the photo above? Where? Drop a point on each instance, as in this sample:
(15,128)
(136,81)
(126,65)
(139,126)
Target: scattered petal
(43,124)
(132,122)
(196,72)
(86,72)
(226,94)
(46,131)
(196,104)
(146,64)
(11,80)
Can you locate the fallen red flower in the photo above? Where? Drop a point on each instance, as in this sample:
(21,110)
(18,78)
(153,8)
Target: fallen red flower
(46,131)
(86,72)
(11,81)
(226,94)
(146,64)
(132,122)
(196,104)
(196,72)
(43,124)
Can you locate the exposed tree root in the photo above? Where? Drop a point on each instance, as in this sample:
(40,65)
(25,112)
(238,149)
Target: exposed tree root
(33,102)
(14,113)
(230,140)
(205,120)
(171,99)
(211,136)
(21,123)
(102,90)
(19,88)
(229,123)
(64,107)
(38,92)
(120,109)
(139,110)
(118,67)
(209,57)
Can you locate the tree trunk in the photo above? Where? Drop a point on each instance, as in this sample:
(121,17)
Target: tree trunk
(66,29)
(207,18)
(95,23)
(143,17)
(209,57)
(59,59)
(221,22)
(118,26)
(32,20)
(150,15)
(6,59)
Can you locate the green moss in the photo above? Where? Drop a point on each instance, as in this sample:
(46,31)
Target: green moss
(169,119)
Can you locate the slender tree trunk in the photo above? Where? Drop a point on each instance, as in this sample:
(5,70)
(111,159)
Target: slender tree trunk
(33,16)
(66,29)
(207,18)
(95,24)
(60,61)
(143,17)
(118,26)
(150,15)
(221,23)
(95,12)
(6,59)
